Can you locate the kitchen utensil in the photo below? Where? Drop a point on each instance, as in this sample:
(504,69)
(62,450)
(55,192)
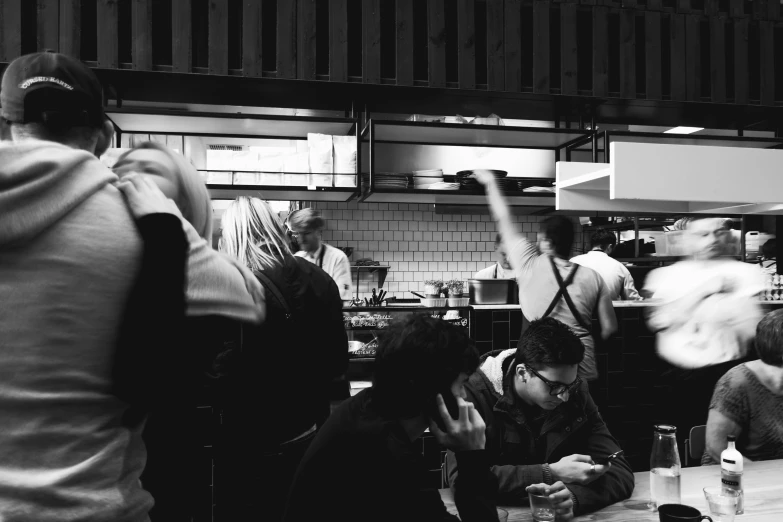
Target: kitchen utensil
(418,295)
(459,301)
(491,291)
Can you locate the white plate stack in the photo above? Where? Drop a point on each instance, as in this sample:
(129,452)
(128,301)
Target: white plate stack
(423,179)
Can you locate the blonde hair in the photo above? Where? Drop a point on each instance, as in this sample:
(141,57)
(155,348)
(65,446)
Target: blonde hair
(306,219)
(192,196)
(253,234)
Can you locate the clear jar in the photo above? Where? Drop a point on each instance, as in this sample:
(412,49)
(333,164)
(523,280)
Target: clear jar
(665,466)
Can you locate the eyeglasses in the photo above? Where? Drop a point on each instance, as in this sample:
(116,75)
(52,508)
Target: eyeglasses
(557,388)
(297,235)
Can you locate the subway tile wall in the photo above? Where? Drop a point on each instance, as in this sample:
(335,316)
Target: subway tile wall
(415,242)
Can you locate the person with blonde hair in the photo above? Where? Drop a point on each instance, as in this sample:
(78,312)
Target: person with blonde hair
(306,226)
(287,364)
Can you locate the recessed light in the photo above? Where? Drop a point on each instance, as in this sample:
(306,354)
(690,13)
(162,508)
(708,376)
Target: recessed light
(683,130)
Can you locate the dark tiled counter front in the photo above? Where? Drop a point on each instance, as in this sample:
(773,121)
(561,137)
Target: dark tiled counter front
(495,327)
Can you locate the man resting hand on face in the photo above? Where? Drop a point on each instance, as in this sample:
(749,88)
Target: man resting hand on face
(543,430)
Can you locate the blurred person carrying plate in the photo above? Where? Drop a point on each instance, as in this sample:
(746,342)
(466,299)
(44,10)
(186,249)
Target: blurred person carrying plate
(708,307)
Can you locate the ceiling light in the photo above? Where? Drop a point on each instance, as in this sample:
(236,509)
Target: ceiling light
(683,130)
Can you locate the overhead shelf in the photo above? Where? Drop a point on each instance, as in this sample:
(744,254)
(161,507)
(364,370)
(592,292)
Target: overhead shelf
(629,225)
(227,125)
(281,193)
(542,200)
(430,133)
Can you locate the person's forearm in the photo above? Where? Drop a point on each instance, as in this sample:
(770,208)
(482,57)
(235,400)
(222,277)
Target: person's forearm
(501,213)
(475,494)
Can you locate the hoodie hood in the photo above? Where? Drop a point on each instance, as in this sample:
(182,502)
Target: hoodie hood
(41,182)
(491,366)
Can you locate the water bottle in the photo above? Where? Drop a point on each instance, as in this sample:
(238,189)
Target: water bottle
(731,465)
(664,468)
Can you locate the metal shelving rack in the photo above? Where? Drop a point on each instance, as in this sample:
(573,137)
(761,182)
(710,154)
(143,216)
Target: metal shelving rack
(461,135)
(246,126)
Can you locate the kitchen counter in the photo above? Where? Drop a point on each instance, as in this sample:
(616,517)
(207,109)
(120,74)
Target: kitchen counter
(496,307)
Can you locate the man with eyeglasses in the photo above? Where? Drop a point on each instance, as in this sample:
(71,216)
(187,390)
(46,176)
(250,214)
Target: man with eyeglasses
(305,227)
(543,428)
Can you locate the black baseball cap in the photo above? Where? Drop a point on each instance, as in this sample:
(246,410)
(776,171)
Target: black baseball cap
(51,88)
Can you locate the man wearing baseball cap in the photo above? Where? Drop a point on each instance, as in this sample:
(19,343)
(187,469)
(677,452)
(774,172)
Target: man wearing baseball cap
(71,258)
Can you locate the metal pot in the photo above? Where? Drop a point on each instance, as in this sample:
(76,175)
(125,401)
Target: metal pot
(492,291)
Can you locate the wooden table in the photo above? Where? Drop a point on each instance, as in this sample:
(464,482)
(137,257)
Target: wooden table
(763,483)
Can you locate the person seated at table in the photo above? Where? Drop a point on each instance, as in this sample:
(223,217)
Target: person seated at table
(542,426)
(364,463)
(748,400)
(502,267)
(769,261)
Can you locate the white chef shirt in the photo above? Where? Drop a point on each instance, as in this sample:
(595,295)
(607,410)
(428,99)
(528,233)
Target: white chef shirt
(706,312)
(336,264)
(489,273)
(618,279)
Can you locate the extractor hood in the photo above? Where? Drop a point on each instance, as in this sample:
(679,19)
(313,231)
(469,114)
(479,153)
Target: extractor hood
(667,178)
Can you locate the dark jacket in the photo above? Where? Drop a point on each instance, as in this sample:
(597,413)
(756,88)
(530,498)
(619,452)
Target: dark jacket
(516,455)
(362,466)
(295,358)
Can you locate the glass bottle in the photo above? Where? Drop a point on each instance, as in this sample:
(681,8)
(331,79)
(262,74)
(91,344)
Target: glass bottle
(664,468)
(731,465)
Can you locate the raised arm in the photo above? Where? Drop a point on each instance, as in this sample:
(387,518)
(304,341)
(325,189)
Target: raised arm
(520,251)
(498,207)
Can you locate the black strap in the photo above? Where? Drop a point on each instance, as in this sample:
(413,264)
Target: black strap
(321,257)
(563,291)
(495,276)
(269,285)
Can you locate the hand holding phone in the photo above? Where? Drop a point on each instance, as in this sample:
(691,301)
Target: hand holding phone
(463,432)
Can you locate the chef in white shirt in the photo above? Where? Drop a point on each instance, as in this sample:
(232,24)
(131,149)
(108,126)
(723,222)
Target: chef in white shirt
(305,226)
(618,279)
(501,269)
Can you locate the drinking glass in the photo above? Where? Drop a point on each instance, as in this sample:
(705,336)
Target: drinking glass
(541,508)
(722,502)
(502,515)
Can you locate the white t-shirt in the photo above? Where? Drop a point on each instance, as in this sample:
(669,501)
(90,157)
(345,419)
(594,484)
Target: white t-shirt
(707,311)
(618,279)
(538,287)
(495,271)
(335,263)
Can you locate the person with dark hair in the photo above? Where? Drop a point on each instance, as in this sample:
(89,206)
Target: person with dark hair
(616,276)
(364,463)
(748,400)
(542,427)
(92,290)
(549,284)
(305,228)
(502,268)
(705,314)
(769,253)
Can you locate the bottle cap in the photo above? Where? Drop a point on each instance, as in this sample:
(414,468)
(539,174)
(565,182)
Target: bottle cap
(731,438)
(665,428)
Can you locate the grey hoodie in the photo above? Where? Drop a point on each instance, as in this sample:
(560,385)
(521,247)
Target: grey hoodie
(69,254)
